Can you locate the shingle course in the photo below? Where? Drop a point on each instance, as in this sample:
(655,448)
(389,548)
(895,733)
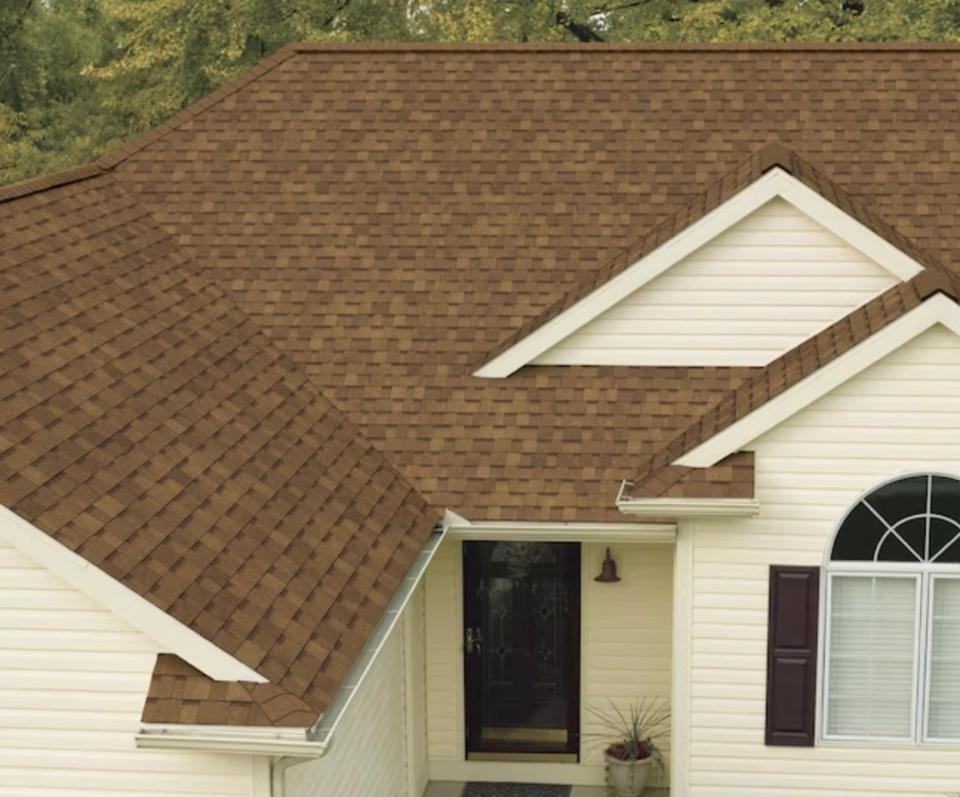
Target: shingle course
(149,426)
(389,215)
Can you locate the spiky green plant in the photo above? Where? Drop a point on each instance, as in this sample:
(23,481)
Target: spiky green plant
(635,730)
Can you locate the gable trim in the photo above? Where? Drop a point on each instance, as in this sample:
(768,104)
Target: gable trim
(938,309)
(106,591)
(775,183)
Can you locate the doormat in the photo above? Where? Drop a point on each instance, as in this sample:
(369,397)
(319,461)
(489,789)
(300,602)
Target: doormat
(515,790)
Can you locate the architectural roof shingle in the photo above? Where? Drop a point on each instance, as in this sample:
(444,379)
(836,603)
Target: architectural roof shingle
(392,214)
(149,426)
(385,217)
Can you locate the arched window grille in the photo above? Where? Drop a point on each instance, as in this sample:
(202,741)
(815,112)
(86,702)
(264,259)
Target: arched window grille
(892,610)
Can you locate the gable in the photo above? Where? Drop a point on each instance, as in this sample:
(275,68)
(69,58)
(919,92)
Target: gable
(74,677)
(899,414)
(696,225)
(769,282)
(778,393)
(62,564)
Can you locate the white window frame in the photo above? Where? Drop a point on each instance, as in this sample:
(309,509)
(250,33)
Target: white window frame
(932,578)
(924,573)
(917,633)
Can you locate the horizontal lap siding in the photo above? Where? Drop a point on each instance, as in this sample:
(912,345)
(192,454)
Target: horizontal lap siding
(444,621)
(73,678)
(901,415)
(368,754)
(757,290)
(627,630)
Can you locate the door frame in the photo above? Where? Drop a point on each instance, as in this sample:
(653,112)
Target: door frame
(470,665)
(454,766)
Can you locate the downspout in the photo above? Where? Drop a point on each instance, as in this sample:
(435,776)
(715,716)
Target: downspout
(278,771)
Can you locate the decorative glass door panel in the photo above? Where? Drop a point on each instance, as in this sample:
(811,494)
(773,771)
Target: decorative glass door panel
(521,648)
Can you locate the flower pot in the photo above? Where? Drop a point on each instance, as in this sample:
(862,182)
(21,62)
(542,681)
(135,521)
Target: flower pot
(627,778)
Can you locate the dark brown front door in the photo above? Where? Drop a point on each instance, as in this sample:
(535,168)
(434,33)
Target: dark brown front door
(522,649)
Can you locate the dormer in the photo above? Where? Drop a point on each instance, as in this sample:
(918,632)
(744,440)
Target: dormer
(764,260)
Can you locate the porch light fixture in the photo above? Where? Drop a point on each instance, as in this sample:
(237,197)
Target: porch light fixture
(608,572)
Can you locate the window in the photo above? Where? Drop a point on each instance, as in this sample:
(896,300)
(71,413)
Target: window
(892,652)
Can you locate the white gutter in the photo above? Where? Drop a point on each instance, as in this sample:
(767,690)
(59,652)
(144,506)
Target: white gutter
(324,728)
(685,507)
(250,741)
(295,745)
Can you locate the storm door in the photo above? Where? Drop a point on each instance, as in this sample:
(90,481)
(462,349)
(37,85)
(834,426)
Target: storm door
(522,650)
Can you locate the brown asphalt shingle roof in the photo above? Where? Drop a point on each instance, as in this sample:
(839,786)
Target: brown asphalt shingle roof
(389,216)
(149,426)
(392,214)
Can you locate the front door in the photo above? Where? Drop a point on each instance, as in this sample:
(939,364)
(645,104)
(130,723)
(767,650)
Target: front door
(522,650)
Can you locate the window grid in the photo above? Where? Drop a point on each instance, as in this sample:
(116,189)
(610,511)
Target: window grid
(918,557)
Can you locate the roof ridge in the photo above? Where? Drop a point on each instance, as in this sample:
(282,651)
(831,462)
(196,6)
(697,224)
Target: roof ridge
(117,156)
(110,159)
(43,182)
(652,46)
(773,154)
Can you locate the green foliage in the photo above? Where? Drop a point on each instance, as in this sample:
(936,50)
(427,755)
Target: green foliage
(635,734)
(79,76)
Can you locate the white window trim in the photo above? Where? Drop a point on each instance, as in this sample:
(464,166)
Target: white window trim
(925,573)
(934,576)
(775,183)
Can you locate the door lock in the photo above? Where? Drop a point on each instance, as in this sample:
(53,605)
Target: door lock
(474,643)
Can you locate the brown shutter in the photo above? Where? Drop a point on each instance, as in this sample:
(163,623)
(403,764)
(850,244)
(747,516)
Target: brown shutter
(792,655)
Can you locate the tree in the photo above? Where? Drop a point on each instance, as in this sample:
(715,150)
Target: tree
(79,76)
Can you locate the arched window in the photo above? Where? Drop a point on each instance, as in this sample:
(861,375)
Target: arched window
(892,652)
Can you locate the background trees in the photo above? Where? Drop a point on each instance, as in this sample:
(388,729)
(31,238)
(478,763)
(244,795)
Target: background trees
(79,76)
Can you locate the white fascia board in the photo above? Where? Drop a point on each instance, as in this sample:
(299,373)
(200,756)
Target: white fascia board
(938,309)
(545,531)
(689,507)
(775,183)
(168,632)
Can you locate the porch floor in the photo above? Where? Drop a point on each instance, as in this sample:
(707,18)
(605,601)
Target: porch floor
(455,789)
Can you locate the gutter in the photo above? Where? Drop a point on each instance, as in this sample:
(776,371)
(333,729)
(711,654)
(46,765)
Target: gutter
(293,746)
(685,507)
(217,739)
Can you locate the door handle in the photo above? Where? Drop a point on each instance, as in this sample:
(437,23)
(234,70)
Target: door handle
(474,643)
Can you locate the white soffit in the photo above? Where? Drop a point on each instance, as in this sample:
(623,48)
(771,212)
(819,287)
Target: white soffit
(172,635)
(775,183)
(938,309)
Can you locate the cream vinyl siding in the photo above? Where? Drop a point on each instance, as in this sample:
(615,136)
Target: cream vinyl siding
(415,663)
(444,651)
(369,754)
(73,678)
(626,636)
(901,415)
(755,291)
(625,643)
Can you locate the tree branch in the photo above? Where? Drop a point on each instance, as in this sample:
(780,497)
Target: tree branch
(583,32)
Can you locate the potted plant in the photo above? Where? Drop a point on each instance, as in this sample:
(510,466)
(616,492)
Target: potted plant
(632,753)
